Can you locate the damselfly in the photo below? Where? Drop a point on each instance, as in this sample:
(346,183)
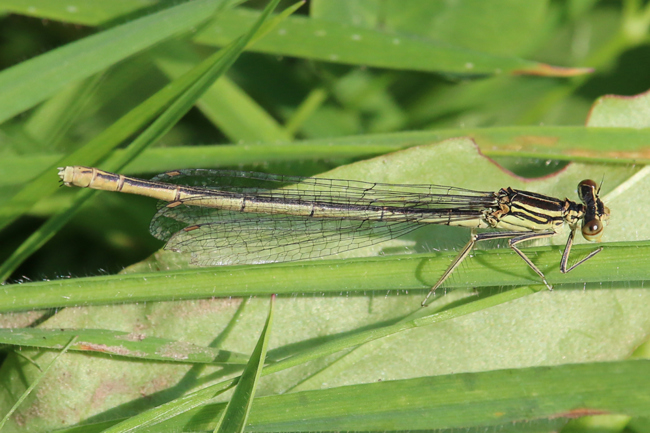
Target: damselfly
(231,217)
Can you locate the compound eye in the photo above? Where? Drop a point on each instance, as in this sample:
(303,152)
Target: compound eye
(588,182)
(592,230)
(586,188)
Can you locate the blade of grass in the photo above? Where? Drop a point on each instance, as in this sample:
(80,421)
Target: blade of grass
(610,145)
(123,344)
(312,38)
(490,398)
(328,40)
(234,418)
(619,262)
(80,12)
(460,400)
(312,102)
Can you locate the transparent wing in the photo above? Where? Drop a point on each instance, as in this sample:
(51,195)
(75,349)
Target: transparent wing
(338,191)
(218,237)
(247,238)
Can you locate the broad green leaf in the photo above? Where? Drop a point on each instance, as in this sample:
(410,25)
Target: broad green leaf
(628,198)
(621,112)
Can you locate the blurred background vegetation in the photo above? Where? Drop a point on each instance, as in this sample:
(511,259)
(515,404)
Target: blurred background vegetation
(275,94)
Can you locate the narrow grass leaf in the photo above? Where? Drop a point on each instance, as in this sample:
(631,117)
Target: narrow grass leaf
(170,410)
(311,38)
(457,401)
(463,400)
(89,13)
(572,143)
(123,344)
(239,406)
(312,102)
(618,263)
(52,119)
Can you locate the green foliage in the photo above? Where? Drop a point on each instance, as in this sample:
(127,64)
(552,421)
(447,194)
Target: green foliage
(473,93)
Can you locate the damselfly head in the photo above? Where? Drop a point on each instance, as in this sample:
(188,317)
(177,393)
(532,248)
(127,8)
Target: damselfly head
(596,213)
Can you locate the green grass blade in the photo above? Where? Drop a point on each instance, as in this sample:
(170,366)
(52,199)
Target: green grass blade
(493,398)
(76,11)
(463,400)
(312,102)
(122,344)
(238,409)
(170,410)
(97,148)
(331,41)
(454,401)
(406,272)
(336,41)
(571,143)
